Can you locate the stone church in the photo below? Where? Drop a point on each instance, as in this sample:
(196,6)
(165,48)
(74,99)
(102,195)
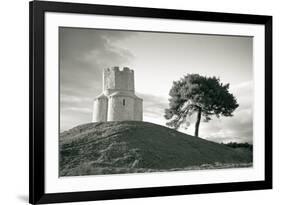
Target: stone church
(118,101)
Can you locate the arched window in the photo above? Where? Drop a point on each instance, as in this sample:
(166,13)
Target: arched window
(123,102)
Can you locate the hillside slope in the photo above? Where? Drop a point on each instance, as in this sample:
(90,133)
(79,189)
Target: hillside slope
(130,146)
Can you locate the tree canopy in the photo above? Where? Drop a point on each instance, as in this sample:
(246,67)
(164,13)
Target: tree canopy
(195,93)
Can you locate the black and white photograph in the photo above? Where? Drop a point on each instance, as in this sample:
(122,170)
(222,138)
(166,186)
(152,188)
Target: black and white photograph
(140,102)
(133,102)
(110,102)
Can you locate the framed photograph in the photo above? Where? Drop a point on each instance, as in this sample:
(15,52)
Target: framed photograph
(130,102)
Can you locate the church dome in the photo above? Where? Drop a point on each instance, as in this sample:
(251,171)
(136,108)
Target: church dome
(101,96)
(122,94)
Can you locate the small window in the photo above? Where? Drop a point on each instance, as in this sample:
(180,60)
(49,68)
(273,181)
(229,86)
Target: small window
(123,102)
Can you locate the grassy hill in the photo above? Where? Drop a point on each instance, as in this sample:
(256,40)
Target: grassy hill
(130,146)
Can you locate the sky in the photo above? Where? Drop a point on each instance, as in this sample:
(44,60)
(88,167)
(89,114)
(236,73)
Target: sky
(157,59)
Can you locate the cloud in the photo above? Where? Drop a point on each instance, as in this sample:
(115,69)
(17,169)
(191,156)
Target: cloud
(154,106)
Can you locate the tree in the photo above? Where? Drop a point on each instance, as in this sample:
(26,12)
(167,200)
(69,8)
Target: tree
(206,96)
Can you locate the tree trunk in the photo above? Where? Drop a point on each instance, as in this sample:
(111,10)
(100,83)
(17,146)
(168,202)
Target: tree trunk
(198,121)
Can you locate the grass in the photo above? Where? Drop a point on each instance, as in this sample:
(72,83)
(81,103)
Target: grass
(130,146)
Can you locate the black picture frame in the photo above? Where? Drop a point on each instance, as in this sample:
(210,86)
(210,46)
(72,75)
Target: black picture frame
(37,9)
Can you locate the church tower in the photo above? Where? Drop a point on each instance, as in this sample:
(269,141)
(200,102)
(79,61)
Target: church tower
(118,101)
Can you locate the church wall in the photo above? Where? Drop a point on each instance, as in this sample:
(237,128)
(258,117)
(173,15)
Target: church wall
(124,80)
(138,110)
(118,111)
(115,79)
(100,110)
(108,79)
